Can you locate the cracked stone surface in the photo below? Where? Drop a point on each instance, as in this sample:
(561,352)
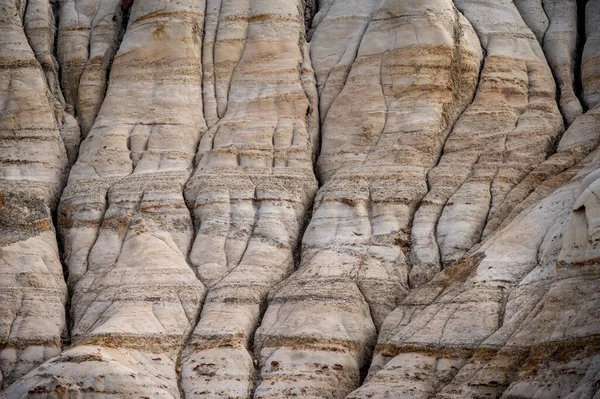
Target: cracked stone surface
(554,23)
(505,132)
(252,185)
(381,135)
(296,198)
(33,167)
(87,42)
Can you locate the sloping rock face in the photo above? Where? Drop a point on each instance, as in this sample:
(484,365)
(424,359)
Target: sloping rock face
(35,136)
(289,198)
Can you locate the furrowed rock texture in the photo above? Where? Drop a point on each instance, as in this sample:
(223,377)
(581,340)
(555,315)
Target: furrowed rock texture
(508,130)
(582,138)
(531,317)
(40,28)
(415,71)
(33,167)
(252,185)
(517,324)
(328,199)
(554,23)
(88,33)
(124,222)
(338,31)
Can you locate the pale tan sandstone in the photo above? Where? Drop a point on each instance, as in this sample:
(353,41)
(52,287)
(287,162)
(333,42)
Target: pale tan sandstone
(181,224)
(555,337)
(225,29)
(560,46)
(582,138)
(522,315)
(549,330)
(518,326)
(339,27)
(554,23)
(252,185)
(40,28)
(507,131)
(87,41)
(382,133)
(126,228)
(534,15)
(563,329)
(33,166)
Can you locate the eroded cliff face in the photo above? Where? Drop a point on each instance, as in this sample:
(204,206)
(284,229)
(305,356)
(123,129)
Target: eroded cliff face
(288,198)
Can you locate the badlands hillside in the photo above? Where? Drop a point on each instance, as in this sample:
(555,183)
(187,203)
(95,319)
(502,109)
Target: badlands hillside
(317,199)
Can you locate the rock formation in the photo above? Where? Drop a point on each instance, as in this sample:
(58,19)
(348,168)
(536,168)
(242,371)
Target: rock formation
(506,131)
(122,217)
(589,60)
(383,132)
(87,42)
(554,23)
(33,167)
(288,198)
(252,185)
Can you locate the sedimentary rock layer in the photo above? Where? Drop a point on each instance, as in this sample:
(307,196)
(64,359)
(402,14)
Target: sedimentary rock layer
(414,72)
(125,226)
(88,33)
(531,315)
(33,166)
(39,24)
(252,185)
(527,320)
(554,23)
(590,61)
(338,29)
(510,128)
(299,198)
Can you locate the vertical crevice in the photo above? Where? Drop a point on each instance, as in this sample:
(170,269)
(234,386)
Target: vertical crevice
(214,57)
(66,338)
(255,377)
(310,9)
(198,33)
(121,17)
(364,370)
(578,84)
(457,67)
(186,344)
(55,7)
(297,251)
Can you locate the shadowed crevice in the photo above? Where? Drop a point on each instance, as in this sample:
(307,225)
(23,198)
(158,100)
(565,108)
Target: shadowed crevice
(581,38)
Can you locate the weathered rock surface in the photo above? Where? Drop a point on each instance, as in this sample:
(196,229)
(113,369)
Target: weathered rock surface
(531,317)
(382,133)
(124,222)
(554,23)
(509,128)
(449,248)
(252,185)
(87,41)
(527,318)
(590,60)
(33,166)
